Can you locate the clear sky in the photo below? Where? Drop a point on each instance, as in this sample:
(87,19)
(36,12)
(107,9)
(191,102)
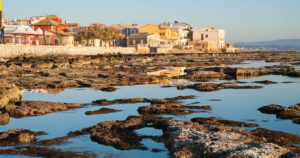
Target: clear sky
(243,20)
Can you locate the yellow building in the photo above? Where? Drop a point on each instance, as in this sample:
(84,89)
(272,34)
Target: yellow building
(168,34)
(150,28)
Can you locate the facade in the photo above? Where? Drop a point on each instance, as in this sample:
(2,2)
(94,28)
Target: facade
(126,29)
(23,35)
(182,29)
(209,38)
(149,28)
(168,34)
(129,31)
(143,39)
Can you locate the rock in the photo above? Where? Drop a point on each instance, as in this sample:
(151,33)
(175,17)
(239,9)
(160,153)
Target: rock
(44,152)
(214,121)
(36,108)
(4,118)
(296,120)
(121,101)
(8,93)
(208,87)
(101,111)
(108,89)
(204,107)
(267,82)
(18,136)
(162,109)
(272,109)
(187,139)
(281,112)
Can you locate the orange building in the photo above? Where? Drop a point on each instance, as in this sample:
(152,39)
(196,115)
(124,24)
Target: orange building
(53,23)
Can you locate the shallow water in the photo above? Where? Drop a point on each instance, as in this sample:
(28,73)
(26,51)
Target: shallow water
(257,64)
(238,105)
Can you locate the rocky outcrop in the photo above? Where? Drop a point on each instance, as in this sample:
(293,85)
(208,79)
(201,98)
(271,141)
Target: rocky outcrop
(4,118)
(18,136)
(36,108)
(101,111)
(141,100)
(208,87)
(187,139)
(120,134)
(9,93)
(214,121)
(292,112)
(164,109)
(266,82)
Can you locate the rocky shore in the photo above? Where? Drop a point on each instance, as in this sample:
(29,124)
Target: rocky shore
(199,137)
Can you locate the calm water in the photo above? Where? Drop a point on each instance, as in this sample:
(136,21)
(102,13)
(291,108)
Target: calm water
(239,105)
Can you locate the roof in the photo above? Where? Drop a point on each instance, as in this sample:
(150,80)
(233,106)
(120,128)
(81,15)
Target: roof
(53,16)
(60,33)
(21,30)
(149,25)
(45,21)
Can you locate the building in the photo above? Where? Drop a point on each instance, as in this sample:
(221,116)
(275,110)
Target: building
(168,34)
(143,39)
(209,38)
(126,29)
(23,35)
(53,23)
(182,29)
(149,28)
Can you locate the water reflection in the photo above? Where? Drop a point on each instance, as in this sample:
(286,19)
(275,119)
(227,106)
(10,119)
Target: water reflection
(169,72)
(47,91)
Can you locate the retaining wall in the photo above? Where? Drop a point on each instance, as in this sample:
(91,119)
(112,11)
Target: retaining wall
(9,51)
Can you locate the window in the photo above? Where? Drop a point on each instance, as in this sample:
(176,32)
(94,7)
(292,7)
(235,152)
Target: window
(207,36)
(133,42)
(202,37)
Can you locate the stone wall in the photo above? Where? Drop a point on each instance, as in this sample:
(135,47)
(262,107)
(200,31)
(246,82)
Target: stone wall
(8,51)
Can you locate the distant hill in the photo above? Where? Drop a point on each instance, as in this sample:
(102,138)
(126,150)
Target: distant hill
(277,44)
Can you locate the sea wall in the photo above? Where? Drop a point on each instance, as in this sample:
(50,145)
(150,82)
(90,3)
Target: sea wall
(9,51)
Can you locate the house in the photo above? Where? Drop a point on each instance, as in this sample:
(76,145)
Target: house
(149,28)
(126,29)
(143,39)
(209,38)
(168,34)
(53,23)
(57,38)
(182,29)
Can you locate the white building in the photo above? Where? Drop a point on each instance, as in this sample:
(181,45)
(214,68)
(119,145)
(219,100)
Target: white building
(215,38)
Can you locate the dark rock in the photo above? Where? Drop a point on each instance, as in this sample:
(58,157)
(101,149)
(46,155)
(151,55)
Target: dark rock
(161,109)
(36,108)
(121,101)
(272,109)
(4,118)
(157,150)
(296,120)
(214,121)
(265,82)
(208,87)
(18,136)
(204,107)
(108,89)
(281,112)
(101,111)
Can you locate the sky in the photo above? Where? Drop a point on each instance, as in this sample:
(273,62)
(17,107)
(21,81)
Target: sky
(243,20)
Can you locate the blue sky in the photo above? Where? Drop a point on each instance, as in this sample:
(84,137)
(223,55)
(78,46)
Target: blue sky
(243,20)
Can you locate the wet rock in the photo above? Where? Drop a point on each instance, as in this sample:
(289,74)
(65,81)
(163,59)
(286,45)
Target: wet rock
(296,120)
(214,121)
(44,152)
(108,89)
(162,109)
(204,107)
(187,139)
(36,108)
(208,87)
(292,112)
(157,150)
(121,101)
(101,111)
(272,109)
(18,136)
(280,138)
(266,82)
